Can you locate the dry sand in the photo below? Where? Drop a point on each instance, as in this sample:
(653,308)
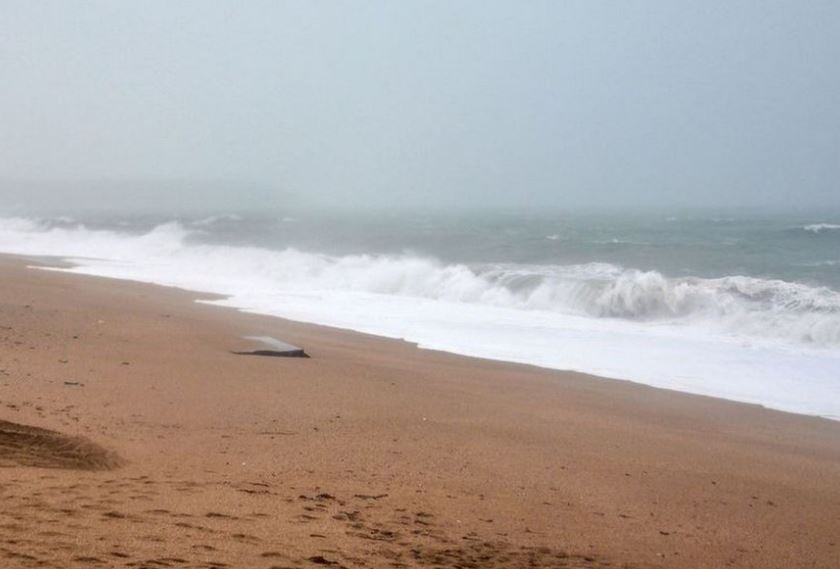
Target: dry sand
(130,436)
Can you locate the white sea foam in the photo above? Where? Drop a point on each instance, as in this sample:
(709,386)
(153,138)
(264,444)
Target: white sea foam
(820,227)
(764,341)
(213,219)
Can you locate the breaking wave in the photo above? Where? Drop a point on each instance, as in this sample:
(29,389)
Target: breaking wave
(733,305)
(821,227)
(762,341)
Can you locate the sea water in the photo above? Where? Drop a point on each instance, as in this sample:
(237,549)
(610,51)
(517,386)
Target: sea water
(742,307)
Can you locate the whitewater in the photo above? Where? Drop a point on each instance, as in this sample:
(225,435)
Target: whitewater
(756,339)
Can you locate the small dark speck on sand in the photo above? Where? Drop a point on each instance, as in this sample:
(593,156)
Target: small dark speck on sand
(321,560)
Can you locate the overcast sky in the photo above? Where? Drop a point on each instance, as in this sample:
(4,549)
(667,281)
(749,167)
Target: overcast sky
(511,104)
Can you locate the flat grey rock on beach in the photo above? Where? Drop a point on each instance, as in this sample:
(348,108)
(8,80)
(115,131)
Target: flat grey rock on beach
(272,347)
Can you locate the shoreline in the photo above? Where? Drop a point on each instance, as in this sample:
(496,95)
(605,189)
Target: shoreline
(372,432)
(62,264)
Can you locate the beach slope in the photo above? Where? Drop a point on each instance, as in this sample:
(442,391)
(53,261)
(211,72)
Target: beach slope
(132,436)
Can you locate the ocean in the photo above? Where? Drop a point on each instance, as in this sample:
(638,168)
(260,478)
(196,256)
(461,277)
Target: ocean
(742,307)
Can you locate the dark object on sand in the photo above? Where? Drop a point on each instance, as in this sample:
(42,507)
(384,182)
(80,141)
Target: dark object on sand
(274,348)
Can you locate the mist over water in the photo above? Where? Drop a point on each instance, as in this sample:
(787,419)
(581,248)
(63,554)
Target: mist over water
(475,105)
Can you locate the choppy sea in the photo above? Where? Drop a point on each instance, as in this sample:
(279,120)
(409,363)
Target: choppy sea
(741,307)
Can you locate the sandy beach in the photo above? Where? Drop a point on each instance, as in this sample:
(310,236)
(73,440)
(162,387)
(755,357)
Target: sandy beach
(131,436)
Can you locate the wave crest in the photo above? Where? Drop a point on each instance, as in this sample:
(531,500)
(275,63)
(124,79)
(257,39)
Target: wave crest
(821,227)
(733,305)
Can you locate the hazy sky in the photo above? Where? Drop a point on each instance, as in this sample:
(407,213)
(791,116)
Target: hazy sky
(418,103)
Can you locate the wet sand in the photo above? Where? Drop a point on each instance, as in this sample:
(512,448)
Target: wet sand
(131,436)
